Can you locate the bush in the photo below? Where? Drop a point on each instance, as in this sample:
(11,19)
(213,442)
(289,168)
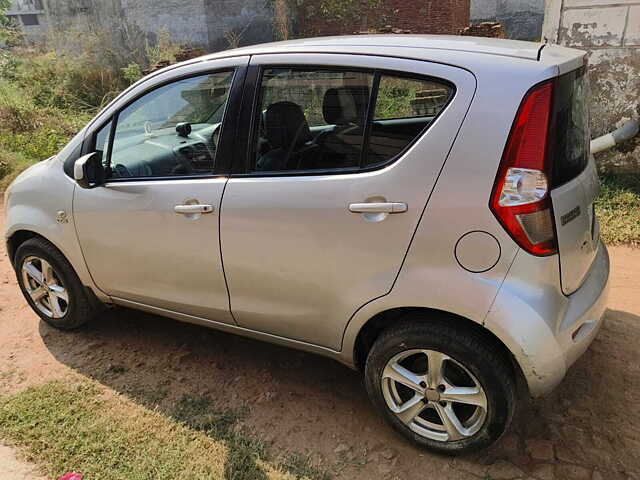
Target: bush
(46,97)
(11,164)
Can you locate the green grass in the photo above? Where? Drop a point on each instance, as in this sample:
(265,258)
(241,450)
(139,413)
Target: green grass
(63,426)
(11,164)
(246,453)
(618,209)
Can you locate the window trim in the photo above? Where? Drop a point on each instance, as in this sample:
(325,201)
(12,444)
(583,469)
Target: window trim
(226,145)
(253,85)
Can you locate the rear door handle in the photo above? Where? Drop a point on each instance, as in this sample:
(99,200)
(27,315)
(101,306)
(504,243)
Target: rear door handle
(387,207)
(191,209)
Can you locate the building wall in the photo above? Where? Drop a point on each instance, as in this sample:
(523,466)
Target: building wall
(421,16)
(202,23)
(31,16)
(522,19)
(609,30)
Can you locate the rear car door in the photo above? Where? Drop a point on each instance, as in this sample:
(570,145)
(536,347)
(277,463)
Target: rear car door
(343,153)
(150,234)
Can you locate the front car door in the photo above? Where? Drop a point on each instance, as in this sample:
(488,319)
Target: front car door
(149,235)
(342,157)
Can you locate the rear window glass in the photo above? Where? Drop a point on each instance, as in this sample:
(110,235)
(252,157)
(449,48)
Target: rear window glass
(323,118)
(571,132)
(404,108)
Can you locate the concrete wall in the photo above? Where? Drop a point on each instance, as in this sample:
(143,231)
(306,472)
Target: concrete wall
(31,16)
(610,32)
(522,19)
(202,23)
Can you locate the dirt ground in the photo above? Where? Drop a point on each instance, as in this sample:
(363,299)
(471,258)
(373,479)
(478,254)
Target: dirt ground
(589,428)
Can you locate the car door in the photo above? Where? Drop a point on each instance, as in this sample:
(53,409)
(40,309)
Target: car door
(150,235)
(342,157)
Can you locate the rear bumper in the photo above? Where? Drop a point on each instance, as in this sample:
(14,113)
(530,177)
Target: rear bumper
(545,330)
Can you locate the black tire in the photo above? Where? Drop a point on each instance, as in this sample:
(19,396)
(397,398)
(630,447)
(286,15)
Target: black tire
(472,350)
(80,308)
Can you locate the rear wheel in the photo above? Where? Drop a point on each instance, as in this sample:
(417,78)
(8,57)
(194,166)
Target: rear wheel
(51,286)
(446,390)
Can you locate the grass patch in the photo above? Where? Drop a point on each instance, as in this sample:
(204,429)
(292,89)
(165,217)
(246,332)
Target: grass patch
(247,455)
(11,164)
(77,426)
(618,209)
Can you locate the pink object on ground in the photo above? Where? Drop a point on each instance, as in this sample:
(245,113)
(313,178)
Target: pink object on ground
(72,476)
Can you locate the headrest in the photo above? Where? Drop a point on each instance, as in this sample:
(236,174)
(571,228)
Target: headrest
(284,124)
(345,105)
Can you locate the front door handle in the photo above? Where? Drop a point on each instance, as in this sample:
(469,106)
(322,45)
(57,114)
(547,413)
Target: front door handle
(191,209)
(386,207)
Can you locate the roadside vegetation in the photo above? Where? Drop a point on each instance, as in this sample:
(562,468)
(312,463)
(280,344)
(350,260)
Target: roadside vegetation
(47,96)
(78,424)
(618,208)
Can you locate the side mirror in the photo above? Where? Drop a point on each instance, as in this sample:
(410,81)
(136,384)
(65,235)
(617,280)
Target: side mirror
(88,171)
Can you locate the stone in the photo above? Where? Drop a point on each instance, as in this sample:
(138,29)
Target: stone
(543,472)
(540,449)
(572,472)
(385,469)
(341,448)
(388,454)
(502,470)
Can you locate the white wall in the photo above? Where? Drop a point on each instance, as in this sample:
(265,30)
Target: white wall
(609,30)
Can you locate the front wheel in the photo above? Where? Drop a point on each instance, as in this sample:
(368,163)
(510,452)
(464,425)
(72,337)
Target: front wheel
(51,286)
(444,389)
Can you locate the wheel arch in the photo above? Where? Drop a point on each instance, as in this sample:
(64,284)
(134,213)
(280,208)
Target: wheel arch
(372,329)
(20,236)
(17,238)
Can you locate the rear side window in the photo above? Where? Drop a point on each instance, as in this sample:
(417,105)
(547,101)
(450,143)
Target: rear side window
(319,118)
(312,119)
(571,126)
(404,108)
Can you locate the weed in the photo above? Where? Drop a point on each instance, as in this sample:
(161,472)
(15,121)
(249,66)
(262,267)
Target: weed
(247,455)
(618,208)
(78,426)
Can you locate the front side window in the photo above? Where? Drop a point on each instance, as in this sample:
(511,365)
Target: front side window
(333,119)
(102,143)
(171,131)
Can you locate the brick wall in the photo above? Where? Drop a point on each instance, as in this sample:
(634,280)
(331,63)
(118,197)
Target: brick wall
(609,30)
(421,16)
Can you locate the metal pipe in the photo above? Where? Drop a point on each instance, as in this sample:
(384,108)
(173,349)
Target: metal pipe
(625,132)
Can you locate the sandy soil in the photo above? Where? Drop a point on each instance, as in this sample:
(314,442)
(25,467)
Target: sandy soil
(588,428)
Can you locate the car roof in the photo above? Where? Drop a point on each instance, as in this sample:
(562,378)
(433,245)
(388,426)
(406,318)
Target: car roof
(490,46)
(471,53)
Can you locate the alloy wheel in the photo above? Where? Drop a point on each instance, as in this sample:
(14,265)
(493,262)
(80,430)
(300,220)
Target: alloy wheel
(434,395)
(44,287)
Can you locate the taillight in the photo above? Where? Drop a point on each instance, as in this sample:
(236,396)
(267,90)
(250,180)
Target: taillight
(520,198)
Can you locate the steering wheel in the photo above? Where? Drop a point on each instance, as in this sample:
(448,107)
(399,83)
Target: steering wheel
(120,171)
(183,166)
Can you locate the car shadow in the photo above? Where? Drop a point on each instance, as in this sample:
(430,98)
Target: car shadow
(301,402)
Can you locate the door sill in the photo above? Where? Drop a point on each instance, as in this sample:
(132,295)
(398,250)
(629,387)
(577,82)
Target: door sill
(234,329)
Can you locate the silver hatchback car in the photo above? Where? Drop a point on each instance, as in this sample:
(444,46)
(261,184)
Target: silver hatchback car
(416,207)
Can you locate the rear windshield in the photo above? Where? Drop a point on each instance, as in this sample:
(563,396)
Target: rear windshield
(571,126)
